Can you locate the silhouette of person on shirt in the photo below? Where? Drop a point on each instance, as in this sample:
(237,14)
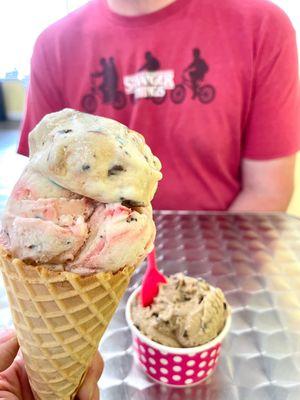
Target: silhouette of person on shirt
(197,70)
(110,79)
(151,64)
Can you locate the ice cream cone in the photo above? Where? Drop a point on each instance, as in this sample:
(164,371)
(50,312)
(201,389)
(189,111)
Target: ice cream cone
(59,318)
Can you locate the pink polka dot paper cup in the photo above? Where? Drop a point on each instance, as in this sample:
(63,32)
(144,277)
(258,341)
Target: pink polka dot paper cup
(177,367)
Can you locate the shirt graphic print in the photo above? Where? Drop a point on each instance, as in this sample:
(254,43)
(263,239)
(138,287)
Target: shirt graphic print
(150,81)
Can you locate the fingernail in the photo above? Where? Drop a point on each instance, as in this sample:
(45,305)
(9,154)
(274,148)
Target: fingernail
(7,335)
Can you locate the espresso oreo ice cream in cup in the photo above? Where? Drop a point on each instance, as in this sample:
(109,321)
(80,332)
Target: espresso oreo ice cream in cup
(177,339)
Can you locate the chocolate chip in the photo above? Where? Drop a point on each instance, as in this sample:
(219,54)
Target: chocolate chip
(127,154)
(155,315)
(65,131)
(200,300)
(130,203)
(115,170)
(225,306)
(186,298)
(68,242)
(31,246)
(129,219)
(185,334)
(85,167)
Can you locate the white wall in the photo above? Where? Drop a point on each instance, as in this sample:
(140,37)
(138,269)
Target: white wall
(20,23)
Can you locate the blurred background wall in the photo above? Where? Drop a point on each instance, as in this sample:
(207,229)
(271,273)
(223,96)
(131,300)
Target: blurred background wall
(20,23)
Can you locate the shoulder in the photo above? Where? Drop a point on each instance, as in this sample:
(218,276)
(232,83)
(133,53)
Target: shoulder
(259,13)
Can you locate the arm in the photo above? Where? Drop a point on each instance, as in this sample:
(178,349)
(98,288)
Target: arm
(266,185)
(97,74)
(271,130)
(189,67)
(145,66)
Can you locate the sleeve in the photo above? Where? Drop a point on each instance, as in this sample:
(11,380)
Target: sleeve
(44,92)
(273,124)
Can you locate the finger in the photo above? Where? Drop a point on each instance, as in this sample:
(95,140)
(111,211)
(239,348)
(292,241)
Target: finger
(96,395)
(89,385)
(14,380)
(23,377)
(8,351)
(6,335)
(4,395)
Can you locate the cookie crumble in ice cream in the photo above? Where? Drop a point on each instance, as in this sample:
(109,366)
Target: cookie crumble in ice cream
(187,312)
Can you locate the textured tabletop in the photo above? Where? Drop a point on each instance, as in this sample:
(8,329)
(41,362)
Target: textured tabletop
(255,260)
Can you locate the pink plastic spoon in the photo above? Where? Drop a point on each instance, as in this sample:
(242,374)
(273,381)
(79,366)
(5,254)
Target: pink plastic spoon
(151,281)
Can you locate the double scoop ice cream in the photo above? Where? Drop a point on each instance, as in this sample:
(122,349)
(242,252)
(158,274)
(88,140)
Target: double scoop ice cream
(83,202)
(77,223)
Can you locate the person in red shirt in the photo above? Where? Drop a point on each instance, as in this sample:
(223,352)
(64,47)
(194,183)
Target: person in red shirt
(212,85)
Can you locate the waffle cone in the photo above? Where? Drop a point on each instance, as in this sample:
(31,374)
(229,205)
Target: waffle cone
(59,318)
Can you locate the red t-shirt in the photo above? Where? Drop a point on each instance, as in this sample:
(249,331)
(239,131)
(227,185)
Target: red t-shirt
(207,82)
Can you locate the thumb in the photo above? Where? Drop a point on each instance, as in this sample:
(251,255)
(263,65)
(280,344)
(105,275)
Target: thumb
(9,347)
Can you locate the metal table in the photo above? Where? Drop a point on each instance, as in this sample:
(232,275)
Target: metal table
(255,259)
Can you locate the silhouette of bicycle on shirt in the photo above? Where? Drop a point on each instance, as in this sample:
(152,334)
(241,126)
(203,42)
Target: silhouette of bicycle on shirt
(192,78)
(107,91)
(196,72)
